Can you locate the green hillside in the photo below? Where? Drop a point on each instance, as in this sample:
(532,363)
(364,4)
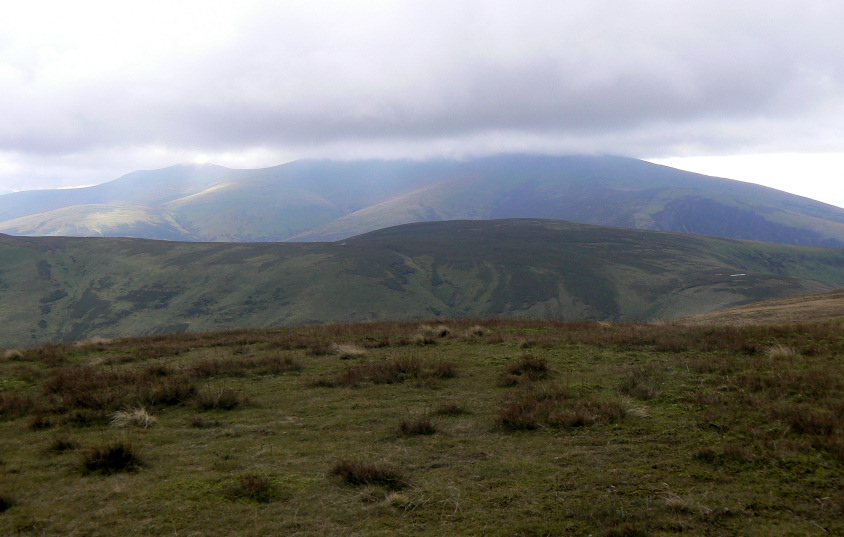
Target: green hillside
(320,200)
(64,289)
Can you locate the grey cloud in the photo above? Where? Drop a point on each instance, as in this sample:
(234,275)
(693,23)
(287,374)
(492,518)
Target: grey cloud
(628,75)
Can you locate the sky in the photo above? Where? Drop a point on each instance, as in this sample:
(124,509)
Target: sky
(749,90)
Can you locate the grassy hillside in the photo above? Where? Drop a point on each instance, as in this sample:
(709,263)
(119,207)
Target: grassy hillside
(799,309)
(67,289)
(317,200)
(493,428)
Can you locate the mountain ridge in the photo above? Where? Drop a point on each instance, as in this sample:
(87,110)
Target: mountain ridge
(319,200)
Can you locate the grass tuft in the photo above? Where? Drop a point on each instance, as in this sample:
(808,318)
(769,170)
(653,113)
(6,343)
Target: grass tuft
(444,370)
(138,417)
(15,404)
(358,473)
(475,331)
(347,351)
(558,408)
(62,443)
(222,399)
(112,457)
(38,421)
(526,367)
(640,383)
(451,408)
(781,352)
(417,426)
(254,487)
(13,354)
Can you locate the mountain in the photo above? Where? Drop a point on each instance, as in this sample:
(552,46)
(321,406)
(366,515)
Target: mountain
(65,289)
(319,200)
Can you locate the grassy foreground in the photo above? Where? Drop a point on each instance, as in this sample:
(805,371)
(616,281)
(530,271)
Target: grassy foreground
(461,428)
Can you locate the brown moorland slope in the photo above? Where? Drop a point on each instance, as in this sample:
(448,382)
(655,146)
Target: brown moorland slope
(807,308)
(495,427)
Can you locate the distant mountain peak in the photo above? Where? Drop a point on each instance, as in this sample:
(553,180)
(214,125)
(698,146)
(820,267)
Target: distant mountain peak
(318,200)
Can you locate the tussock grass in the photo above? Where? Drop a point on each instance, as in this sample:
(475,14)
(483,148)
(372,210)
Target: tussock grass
(61,443)
(808,420)
(531,408)
(38,421)
(238,367)
(527,368)
(781,352)
(428,335)
(15,404)
(475,331)
(12,354)
(255,487)
(358,473)
(347,351)
(443,370)
(95,342)
(395,370)
(111,457)
(219,399)
(137,417)
(417,426)
(49,355)
(640,383)
(451,408)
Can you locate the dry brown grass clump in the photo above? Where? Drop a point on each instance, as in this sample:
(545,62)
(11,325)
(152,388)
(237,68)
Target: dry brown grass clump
(358,473)
(475,331)
(417,426)
(15,404)
(273,364)
(94,343)
(781,352)
(526,368)
(38,421)
(451,408)
(559,408)
(112,457)
(222,399)
(428,335)
(137,417)
(640,382)
(90,387)
(347,351)
(62,443)
(13,354)
(390,371)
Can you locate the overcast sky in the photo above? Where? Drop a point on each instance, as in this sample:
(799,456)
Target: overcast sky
(752,90)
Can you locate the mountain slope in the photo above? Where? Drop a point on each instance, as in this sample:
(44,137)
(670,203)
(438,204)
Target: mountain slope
(802,309)
(317,200)
(59,288)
